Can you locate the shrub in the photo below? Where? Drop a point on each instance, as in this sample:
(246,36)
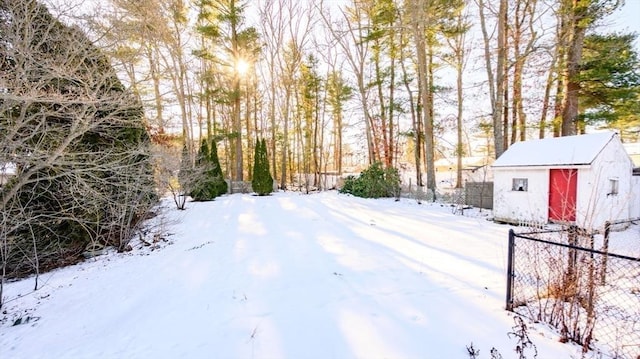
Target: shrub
(220,186)
(262,182)
(207,181)
(78,140)
(374,182)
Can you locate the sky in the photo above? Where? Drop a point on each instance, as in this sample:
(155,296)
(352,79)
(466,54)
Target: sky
(476,101)
(626,19)
(284,276)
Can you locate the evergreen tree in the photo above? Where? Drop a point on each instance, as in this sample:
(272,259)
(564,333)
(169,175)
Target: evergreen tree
(185,173)
(256,165)
(262,181)
(610,82)
(220,185)
(201,188)
(208,181)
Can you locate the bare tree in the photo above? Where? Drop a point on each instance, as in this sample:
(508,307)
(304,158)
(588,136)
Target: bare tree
(496,77)
(77,139)
(286,29)
(150,42)
(348,33)
(420,22)
(458,44)
(549,84)
(524,14)
(405,54)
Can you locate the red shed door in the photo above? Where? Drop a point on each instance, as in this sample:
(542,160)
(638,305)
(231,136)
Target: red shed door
(563,184)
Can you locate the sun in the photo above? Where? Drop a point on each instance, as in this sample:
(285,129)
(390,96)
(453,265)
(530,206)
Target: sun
(242,66)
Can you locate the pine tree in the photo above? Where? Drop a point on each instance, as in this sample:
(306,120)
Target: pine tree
(186,171)
(256,165)
(609,82)
(201,189)
(208,181)
(262,181)
(220,185)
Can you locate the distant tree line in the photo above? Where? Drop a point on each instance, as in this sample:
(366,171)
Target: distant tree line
(324,82)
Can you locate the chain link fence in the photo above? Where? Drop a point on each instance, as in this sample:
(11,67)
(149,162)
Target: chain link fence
(587,285)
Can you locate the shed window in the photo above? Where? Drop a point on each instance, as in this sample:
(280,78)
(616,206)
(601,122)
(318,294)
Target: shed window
(520,184)
(613,186)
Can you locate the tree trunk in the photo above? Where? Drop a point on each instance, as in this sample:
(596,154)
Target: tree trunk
(392,88)
(576,31)
(549,84)
(251,131)
(384,131)
(459,55)
(428,110)
(237,123)
(496,85)
(420,21)
(415,120)
(285,139)
(572,85)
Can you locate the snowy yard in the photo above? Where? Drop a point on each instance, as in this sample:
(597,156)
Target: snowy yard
(284,276)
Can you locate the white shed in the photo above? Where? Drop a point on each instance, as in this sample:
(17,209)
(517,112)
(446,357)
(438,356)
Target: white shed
(584,180)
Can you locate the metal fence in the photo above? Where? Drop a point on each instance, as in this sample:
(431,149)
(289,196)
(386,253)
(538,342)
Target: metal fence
(587,285)
(476,194)
(479,194)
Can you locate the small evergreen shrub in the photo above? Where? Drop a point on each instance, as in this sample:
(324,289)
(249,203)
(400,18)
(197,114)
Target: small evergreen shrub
(220,186)
(374,182)
(262,182)
(207,181)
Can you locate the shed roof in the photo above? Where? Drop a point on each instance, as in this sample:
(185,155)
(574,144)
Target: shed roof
(556,151)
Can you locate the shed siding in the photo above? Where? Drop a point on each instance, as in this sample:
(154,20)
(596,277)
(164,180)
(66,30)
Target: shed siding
(596,204)
(516,206)
(635,197)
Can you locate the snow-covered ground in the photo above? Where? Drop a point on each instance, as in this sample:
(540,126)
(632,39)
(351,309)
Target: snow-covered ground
(284,276)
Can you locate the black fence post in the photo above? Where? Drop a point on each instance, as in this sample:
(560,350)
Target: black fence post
(570,275)
(510,251)
(605,249)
